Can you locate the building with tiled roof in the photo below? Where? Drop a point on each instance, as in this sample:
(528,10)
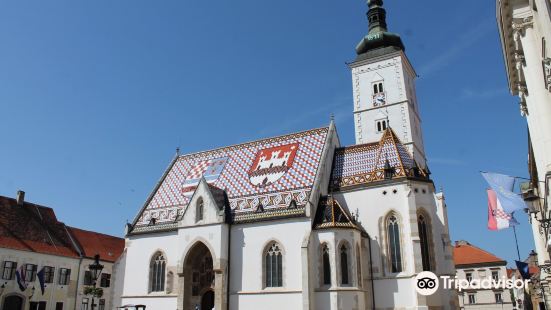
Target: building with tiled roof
(468,255)
(32,239)
(300,221)
(474,263)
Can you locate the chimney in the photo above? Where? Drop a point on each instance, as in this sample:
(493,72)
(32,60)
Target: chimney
(20,197)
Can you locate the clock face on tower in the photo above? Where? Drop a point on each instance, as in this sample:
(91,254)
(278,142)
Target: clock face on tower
(379,99)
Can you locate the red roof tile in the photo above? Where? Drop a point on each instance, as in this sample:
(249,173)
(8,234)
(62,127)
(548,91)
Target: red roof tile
(510,272)
(465,253)
(32,227)
(108,247)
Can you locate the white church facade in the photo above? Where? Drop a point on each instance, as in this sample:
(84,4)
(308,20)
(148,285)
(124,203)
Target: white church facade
(300,221)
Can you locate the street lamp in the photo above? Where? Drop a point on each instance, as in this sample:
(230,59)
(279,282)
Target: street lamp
(30,295)
(95,269)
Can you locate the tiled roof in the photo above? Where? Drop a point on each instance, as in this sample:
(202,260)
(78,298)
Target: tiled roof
(266,174)
(32,227)
(365,163)
(330,214)
(91,243)
(465,253)
(510,272)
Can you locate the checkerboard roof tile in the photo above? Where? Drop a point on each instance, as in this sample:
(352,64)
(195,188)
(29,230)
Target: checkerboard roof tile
(290,179)
(364,163)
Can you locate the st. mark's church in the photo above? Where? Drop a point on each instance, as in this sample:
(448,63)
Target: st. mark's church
(300,221)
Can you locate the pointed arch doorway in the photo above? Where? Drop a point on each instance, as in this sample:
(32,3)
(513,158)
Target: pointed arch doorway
(199,278)
(207,301)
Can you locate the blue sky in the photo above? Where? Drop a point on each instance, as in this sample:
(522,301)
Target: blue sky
(96,95)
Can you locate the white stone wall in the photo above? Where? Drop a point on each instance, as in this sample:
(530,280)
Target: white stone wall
(405,199)
(401,107)
(139,252)
(248,243)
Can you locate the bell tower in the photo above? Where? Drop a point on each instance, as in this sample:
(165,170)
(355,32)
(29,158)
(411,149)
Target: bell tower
(383,83)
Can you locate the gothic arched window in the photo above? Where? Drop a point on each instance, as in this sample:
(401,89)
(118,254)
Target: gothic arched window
(344,264)
(326,265)
(274,266)
(359,266)
(157,273)
(199,210)
(394,250)
(425,245)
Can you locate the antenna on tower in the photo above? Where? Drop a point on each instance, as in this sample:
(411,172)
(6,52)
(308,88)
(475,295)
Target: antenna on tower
(177,150)
(332,117)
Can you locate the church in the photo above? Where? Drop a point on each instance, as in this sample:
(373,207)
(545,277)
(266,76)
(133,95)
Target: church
(300,221)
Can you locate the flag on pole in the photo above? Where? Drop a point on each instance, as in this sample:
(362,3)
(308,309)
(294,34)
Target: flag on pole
(20,276)
(523,269)
(40,276)
(503,188)
(497,218)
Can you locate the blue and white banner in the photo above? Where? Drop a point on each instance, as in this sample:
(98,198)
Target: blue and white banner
(503,187)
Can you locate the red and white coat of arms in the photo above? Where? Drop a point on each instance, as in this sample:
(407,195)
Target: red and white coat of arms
(272,163)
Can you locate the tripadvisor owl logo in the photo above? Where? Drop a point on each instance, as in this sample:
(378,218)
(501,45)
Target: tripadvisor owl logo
(426,283)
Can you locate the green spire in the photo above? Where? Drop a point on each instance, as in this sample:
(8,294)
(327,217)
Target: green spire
(378,40)
(376,15)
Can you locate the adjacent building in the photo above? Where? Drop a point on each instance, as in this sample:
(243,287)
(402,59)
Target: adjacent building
(32,239)
(473,263)
(525,30)
(301,221)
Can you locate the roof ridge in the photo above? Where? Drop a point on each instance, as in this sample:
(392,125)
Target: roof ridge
(345,212)
(480,249)
(94,232)
(28,203)
(252,141)
(395,141)
(380,150)
(330,202)
(355,146)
